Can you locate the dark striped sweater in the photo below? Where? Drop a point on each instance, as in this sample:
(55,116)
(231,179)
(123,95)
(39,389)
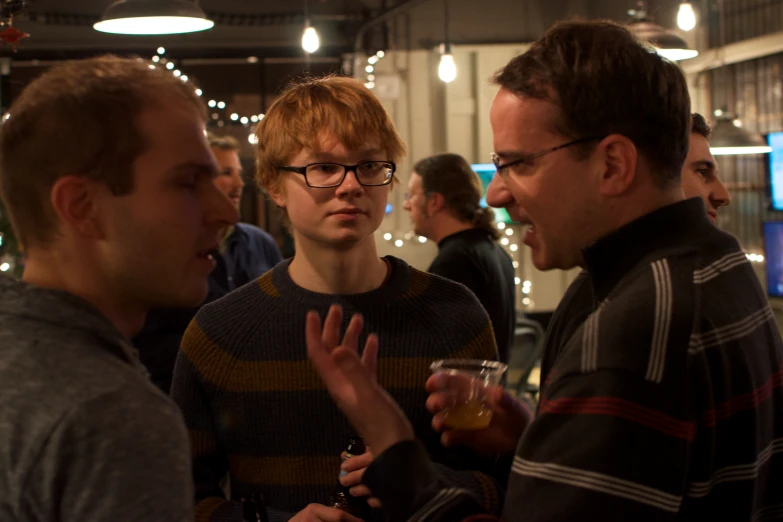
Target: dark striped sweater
(256,409)
(662,393)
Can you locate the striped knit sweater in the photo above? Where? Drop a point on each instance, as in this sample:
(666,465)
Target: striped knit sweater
(256,409)
(662,393)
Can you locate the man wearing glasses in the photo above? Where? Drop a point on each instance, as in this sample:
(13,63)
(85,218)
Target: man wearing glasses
(664,400)
(253,404)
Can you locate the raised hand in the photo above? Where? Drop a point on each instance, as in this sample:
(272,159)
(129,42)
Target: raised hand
(351,381)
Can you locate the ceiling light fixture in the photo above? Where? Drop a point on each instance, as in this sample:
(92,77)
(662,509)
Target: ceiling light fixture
(728,138)
(666,43)
(140,17)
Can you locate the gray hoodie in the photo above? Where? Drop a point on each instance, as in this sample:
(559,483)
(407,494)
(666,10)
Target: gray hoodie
(84,436)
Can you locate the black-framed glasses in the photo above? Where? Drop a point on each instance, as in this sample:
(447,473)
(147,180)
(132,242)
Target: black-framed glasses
(502,168)
(329,175)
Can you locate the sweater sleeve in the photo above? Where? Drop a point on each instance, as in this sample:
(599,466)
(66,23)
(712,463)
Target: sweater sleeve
(464,468)
(210,464)
(412,488)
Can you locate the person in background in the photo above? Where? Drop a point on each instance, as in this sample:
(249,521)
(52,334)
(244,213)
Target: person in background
(107,178)
(700,171)
(326,154)
(245,253)
(444,204)
(665,401)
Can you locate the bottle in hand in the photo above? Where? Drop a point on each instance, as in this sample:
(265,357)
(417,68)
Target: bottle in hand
(341,497)
(254,509)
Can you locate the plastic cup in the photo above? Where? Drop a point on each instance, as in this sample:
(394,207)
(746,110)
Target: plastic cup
(466,383)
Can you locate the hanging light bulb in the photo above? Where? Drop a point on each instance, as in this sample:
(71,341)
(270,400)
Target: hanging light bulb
(310,41)
(686,17)
(447,69)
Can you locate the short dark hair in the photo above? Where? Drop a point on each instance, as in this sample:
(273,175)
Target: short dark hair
(223,142)
(700,126)
(450,175)
(80,117)
(605,81)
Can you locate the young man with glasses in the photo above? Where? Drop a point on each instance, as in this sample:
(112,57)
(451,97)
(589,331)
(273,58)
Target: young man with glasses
(255,407)
(661,392)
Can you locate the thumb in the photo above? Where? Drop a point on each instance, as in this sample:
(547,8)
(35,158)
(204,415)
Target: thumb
(500,401)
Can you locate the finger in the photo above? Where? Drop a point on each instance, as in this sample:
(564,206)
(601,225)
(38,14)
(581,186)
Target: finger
(439,401)
(375,502)
(331,333)
(439,422)
(351,337)
(433,383)
(329,514)
(357,462)
(370,354)
(353,478)
(316,350)
(441,381)
(452,438)
(360,491)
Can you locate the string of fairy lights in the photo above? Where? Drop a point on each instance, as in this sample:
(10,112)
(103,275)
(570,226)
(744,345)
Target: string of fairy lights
(369,69)
(513,249)
(217,107)
(506,240)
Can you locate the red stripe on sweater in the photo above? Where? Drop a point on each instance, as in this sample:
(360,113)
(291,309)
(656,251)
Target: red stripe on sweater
(748,401)
(628,410)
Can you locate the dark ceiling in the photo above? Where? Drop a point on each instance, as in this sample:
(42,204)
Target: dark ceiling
(272,28)
(63,29)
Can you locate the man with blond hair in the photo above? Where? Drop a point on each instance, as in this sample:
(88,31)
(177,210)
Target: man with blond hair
(107,177)
(326,154)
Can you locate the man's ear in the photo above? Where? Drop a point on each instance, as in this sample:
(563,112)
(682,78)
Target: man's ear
(435,203)
(620,157)
(75,200)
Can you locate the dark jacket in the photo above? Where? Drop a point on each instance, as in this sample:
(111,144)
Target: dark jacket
(472,258)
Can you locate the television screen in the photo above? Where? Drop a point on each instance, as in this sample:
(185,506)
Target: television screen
(486,171)
(773,254)
(775,165)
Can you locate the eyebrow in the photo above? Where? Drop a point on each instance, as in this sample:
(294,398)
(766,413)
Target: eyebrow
(512,154)
(704,163)
(200,168)
(362,153)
